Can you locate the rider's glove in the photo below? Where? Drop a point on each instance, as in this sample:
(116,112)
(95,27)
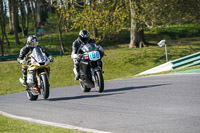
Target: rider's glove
(51,58)
(22,62)
(74,56)
(79,57)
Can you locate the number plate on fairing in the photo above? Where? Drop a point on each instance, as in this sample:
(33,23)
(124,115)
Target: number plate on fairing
(94,55)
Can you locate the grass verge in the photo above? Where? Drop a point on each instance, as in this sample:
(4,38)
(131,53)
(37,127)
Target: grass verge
(10,125)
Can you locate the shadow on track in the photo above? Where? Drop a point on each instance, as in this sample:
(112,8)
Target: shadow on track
(133,88)
(81,97)
(103,94)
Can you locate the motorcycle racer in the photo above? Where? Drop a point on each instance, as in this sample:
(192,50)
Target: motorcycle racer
(32,42)
(83,39)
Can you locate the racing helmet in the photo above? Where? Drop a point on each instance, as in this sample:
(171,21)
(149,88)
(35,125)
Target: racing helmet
(32,41)
(84,35)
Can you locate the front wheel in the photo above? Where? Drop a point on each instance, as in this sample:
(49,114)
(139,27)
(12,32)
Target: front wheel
(99,82)
(84,88)
(30,96)
(44,86)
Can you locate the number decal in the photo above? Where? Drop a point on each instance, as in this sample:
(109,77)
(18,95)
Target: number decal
(94,55)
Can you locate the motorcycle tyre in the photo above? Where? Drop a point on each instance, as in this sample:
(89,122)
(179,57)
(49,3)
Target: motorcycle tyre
(100,82)
(30,96)
(45,85)
(84,88)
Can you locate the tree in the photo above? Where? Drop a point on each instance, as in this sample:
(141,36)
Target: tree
(23,18)
(136,32)
(106,16)
(16,20)
(42,14)
(60,12)
(66,11)
(2,26)
(27,2)
(11,25)
(3,10)
(167,12)
(33,5)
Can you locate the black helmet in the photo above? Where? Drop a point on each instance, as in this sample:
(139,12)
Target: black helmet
(84,36)
(32,41)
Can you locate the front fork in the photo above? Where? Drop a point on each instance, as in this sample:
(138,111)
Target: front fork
(39,78)
(92,70)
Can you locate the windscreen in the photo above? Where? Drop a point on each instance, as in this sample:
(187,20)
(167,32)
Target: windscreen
(89,47)
(38,54)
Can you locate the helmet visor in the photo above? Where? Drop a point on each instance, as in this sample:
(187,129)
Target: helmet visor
(85,40)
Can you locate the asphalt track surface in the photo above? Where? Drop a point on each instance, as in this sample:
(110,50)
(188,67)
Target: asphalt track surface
(153,104)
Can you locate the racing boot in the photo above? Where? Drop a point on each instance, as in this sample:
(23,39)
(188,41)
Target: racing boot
(76,73)
(24,80)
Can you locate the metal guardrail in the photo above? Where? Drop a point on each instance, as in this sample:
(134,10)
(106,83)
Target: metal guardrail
(183,62)
(186,61)
(14,57)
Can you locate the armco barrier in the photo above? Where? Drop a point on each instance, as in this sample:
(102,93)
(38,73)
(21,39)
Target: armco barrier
(14,57)
(183,62)
(186,60)
(11,57)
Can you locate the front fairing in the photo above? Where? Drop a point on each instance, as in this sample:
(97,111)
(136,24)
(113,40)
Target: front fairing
(91,52)
(38,59)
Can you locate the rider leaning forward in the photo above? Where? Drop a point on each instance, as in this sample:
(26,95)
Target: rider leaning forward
(32,42)
(83,39)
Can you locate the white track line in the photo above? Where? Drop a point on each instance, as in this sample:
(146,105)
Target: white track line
(52,123)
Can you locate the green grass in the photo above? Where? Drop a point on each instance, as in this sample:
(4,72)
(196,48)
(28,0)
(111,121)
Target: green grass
(178,31)
(10,125)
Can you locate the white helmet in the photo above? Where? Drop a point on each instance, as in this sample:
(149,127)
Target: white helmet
(32,41)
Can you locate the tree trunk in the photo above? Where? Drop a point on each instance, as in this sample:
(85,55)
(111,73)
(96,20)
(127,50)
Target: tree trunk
(41,12)
(2,48)
(23,20)
(95,32)
(2,26)
(11,25)
(3,23)
(16,21)
(93,8)
(34,17)
(136,32)
(132,33)
(27,15)
(60,34)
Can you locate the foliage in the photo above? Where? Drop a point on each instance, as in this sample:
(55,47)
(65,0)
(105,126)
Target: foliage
(109,17)
(166,12)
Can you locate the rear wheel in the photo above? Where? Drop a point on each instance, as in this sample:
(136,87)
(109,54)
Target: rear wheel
(30,96)
(45,86)
(99,83)
(84,88)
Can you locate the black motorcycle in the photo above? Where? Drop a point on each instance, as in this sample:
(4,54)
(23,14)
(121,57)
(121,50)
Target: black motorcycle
(90,68)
